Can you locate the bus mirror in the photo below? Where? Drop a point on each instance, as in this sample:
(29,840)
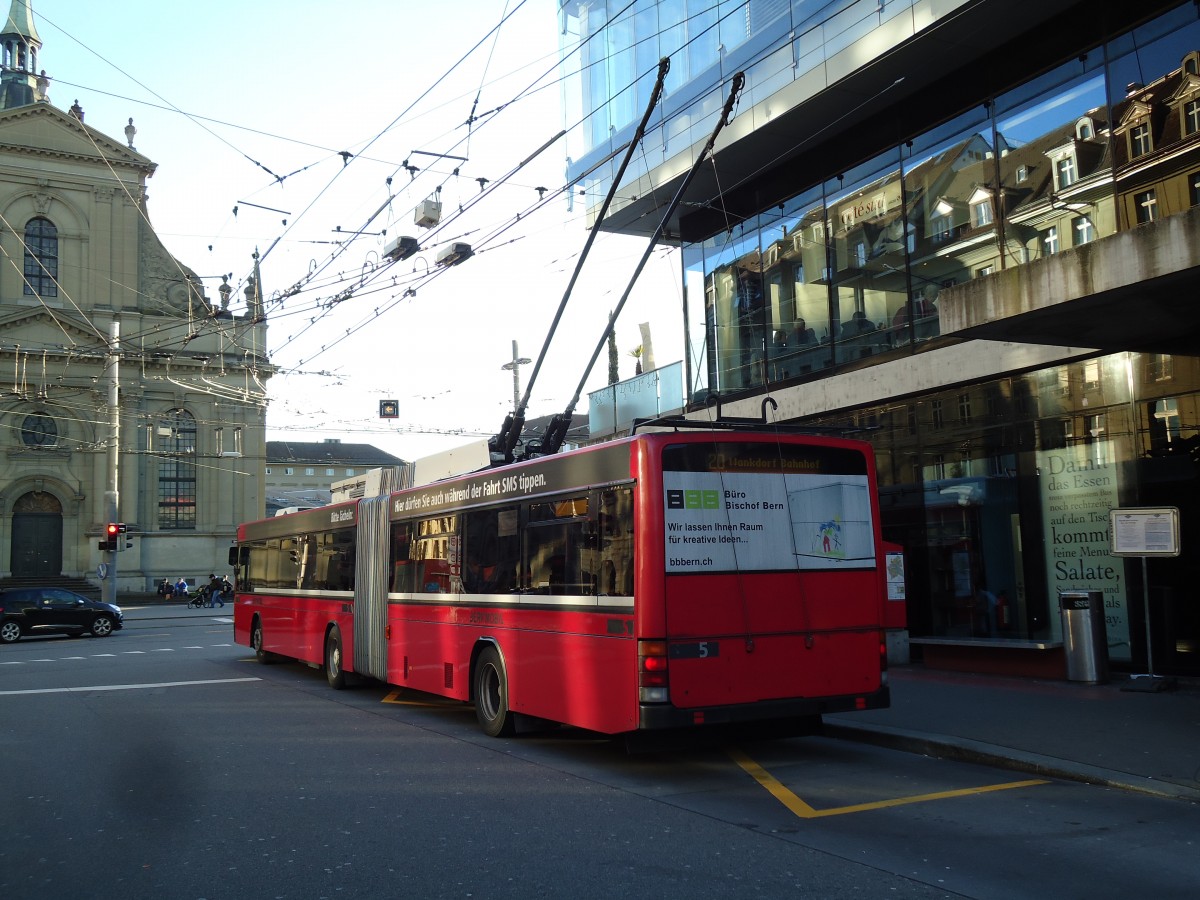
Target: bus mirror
(233,556)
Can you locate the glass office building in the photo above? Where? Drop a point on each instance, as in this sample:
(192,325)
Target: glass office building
(965,231)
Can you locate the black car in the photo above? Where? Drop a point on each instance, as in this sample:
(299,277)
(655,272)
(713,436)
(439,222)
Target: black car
(25,611)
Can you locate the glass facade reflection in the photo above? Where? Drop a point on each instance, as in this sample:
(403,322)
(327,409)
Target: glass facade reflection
(998,487)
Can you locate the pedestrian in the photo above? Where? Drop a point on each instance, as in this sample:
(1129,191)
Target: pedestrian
(165,589)
(215,591)
(181,587)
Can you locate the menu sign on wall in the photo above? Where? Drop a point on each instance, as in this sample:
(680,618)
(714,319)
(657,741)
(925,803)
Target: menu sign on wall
(1079,490)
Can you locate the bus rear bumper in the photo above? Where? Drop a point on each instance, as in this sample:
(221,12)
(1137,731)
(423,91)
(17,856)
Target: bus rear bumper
(657,716)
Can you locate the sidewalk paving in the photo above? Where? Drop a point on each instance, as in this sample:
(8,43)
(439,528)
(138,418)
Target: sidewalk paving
(1100,734)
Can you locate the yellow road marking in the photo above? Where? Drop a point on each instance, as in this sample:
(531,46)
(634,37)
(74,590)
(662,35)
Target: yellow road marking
(394,697)
(801,809)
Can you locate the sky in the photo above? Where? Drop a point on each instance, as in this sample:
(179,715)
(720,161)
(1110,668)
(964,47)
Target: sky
(311,132)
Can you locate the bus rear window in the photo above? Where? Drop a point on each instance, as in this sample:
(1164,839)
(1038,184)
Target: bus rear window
(742,506)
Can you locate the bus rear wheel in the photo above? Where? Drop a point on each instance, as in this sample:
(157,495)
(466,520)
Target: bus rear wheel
(491,695)
(334,673)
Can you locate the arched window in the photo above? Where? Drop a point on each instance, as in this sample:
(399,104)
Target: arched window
(177,472)
(41,258)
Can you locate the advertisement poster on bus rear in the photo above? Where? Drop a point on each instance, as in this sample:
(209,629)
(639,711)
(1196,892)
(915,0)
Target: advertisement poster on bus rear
(737,521)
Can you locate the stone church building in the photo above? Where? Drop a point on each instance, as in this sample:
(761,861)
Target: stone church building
(126,394)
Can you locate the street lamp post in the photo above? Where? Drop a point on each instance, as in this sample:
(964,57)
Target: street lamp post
(517,362)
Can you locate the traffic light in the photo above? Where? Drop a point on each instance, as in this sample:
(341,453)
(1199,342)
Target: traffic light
(389,409)
(111,530)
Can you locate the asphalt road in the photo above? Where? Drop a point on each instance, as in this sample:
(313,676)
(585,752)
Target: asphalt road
(165,762)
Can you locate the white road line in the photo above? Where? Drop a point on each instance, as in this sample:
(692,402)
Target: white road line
(125,687)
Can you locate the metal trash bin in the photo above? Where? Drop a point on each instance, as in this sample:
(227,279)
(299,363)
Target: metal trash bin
(1085,640)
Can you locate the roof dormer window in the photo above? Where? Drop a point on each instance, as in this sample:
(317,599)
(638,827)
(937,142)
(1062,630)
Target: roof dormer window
(1064,172)
(1085,129)
(982,213)
(1191,117)
(1140,142)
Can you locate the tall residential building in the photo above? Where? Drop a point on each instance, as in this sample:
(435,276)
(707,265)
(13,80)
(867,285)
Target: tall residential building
(128,394)
(965,230)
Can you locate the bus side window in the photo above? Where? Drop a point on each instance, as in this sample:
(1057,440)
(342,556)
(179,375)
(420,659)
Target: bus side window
(557,547)
(403,570)
(615,527)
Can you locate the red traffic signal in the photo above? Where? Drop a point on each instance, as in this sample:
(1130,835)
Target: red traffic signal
(112,530)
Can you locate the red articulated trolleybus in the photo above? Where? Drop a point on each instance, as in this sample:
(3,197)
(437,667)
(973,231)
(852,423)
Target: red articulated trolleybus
(659,581)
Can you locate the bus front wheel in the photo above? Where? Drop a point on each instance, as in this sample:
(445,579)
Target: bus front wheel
(334,673)
(491,695)
(256,641)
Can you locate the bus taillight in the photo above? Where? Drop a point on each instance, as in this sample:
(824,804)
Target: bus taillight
(652,672)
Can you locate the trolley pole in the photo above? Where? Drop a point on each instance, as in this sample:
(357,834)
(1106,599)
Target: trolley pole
(108,584)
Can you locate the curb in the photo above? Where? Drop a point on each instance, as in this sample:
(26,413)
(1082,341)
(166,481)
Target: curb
(945,747)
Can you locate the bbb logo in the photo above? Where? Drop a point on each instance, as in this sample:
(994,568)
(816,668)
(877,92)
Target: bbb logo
(677,499)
